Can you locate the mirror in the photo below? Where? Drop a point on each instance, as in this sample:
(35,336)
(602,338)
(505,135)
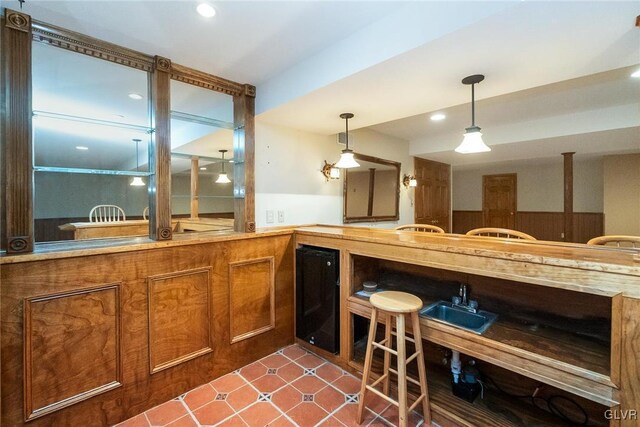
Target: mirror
(372,191)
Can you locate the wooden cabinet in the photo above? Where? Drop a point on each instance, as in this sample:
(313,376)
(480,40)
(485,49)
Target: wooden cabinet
(591,297)
(108,334)
(433,193)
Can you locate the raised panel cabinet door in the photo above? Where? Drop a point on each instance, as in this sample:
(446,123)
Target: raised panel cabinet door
(71,348)
(499,200)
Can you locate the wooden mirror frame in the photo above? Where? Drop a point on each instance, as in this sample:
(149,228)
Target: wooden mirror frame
(18,33)
(372,218)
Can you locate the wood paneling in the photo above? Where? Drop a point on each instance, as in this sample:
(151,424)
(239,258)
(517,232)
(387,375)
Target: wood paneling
(541,225)
(180,317)
(251,298)
(17,159)
(630,362)
(140,390)
(244,156)
(71,348)
(160,152)
(568,196)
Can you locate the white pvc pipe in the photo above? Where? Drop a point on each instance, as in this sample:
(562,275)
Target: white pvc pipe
(456,366)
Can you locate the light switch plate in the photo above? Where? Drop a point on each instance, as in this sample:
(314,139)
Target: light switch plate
(269,217)
(280,216)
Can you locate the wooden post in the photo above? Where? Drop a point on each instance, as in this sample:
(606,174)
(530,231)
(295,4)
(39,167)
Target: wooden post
(372,183)
(568,196)
(17,159)
(244,157)
(194,188)
(160,153)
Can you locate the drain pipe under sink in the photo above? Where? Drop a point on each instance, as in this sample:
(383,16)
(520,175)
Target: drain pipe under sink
(456,366)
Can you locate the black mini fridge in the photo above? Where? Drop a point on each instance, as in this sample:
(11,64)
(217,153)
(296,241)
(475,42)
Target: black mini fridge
(318,297)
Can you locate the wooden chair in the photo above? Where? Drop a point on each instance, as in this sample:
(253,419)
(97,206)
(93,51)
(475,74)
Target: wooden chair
(145,213)
(504,233)
(106,213)
(420,227)
(619,241)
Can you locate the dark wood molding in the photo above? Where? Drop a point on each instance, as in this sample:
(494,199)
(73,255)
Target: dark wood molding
(206,80)
(17,159)
(568,196)
(244,166)
(160,152)
(80,43)
(372,183)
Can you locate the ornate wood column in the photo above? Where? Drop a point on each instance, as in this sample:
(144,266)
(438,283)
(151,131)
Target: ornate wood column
(244,156)
(17,159)
(160,152)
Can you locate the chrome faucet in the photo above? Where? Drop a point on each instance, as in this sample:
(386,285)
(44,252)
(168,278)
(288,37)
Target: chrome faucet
(461,300)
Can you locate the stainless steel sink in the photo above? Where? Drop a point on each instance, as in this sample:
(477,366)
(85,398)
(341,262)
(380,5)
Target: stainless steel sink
(448,313)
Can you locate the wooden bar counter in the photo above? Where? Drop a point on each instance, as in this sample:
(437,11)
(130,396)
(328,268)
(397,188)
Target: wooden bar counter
(93,332)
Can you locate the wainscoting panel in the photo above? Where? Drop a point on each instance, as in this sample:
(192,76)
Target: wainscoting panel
(179,317)
(541,225)
(251,298)
(76,333)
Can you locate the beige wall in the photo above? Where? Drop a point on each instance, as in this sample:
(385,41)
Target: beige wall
(540,185)
(622,194)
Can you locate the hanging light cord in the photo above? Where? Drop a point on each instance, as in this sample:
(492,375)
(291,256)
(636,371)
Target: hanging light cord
(473,105)
(347,130)
(222,162)
(137,158)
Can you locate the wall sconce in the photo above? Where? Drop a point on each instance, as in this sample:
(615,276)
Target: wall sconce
(330,171)
(409,181)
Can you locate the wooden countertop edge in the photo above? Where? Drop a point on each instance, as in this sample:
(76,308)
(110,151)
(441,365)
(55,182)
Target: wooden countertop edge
(629,263)
(71,249)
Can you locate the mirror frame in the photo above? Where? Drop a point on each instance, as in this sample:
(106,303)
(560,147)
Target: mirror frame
(18,32)
(372,218)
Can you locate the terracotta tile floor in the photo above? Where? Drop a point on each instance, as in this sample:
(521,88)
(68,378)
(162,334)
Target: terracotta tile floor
(291,387)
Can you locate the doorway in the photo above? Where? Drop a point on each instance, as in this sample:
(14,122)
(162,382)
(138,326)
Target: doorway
(499,200)
(433,192)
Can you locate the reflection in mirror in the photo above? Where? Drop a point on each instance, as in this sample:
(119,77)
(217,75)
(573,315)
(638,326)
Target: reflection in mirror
(201,126)
(372,191)
(87,116)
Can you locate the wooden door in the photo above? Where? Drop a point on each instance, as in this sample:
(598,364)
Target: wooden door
(433,200)
(499,200)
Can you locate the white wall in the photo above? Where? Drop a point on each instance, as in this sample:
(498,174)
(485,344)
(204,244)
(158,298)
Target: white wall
(288,178)
(540,185)
(622,194)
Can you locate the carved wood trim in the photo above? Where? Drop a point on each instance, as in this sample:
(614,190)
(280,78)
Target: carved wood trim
(151,281)
(80,43)
(616,339)
(272,298)
(30,412)
(16,156)
(206,80)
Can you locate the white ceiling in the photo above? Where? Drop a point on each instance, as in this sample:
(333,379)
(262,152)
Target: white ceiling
(556,72)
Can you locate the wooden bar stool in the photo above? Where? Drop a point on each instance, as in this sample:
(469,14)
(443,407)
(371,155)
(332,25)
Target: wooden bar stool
(396,304)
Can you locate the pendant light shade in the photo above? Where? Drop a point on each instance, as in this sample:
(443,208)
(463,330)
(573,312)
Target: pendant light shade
(472,142)
(137,181)
(223,178)
(346,158)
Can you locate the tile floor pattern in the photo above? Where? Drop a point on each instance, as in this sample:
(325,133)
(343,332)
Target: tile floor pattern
(291,387)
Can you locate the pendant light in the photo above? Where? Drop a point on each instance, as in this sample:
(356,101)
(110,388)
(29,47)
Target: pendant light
(223,178)
(472,142)
(346,158)
(137,180)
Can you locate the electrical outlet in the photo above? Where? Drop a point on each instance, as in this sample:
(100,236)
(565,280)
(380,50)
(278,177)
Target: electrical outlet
(269,217)
(280,216)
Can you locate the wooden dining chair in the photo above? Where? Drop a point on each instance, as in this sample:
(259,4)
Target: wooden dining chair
(420,227)
(145,213)
(619,241)
(107,213)
(503,233)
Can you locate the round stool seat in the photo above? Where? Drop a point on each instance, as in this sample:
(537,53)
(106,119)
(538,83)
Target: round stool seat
(396,302)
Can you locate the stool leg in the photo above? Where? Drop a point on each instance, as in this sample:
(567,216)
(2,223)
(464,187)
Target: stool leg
(417,336)
(402,371)
(387,355)
(367,362)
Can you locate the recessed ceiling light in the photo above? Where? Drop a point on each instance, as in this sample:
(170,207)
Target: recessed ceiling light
(231,161)
(135,96)
(437,117)
(81,147)
(206,10)
(636,74)
(203,169)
